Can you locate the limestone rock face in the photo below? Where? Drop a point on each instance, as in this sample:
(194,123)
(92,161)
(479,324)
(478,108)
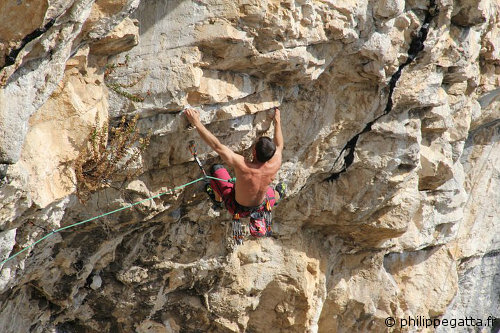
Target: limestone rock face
(391,121)
(35,50)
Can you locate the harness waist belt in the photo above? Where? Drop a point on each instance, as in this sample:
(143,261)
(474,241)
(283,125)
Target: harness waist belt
(253,208)
(250,209)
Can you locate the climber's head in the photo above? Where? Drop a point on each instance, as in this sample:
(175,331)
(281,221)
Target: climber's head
(264,149)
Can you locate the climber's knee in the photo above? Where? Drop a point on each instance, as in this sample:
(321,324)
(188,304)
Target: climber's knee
(215,167)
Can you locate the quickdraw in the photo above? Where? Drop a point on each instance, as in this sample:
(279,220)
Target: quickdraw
(237,230)
(194,152)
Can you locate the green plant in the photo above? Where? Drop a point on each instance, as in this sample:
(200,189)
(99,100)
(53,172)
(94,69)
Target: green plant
(107,154)
(119,88)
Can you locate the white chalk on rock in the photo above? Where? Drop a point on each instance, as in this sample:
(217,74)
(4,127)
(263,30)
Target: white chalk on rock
(96,282)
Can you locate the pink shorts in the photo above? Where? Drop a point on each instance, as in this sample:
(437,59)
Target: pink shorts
(227,192)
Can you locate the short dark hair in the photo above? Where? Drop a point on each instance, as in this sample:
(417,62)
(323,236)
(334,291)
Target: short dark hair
(264,149)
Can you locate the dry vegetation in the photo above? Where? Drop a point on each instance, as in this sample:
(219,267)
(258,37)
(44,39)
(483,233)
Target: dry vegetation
(108,154)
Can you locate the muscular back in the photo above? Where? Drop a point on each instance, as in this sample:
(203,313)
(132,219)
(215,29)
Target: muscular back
(254,178)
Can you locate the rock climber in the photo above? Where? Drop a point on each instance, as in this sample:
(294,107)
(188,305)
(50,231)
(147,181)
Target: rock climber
(252,189)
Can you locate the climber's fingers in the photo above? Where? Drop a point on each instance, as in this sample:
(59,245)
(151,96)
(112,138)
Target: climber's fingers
(193,116)
(275,116)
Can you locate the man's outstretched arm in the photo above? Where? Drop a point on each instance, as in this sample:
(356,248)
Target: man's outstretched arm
(224,152)
(278,135)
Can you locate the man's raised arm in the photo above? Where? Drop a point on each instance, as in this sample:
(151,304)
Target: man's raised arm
(278,135)
(224,152)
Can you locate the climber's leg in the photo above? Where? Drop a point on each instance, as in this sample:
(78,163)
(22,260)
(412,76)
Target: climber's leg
(224,190)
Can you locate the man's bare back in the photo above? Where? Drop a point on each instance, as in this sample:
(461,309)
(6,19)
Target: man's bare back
(252,177)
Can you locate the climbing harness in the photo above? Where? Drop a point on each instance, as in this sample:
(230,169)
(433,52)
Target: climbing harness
(261,217)
(260,224)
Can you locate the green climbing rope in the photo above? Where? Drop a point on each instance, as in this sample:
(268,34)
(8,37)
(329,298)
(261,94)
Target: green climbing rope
(111,212)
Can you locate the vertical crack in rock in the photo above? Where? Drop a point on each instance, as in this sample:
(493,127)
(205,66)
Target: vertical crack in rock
(10,58)
(416,46)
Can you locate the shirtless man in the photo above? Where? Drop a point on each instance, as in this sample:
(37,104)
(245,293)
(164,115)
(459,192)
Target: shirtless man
(252,177)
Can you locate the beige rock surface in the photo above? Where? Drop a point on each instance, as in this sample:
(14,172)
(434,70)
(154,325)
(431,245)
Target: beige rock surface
(391,160)
(64,122)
